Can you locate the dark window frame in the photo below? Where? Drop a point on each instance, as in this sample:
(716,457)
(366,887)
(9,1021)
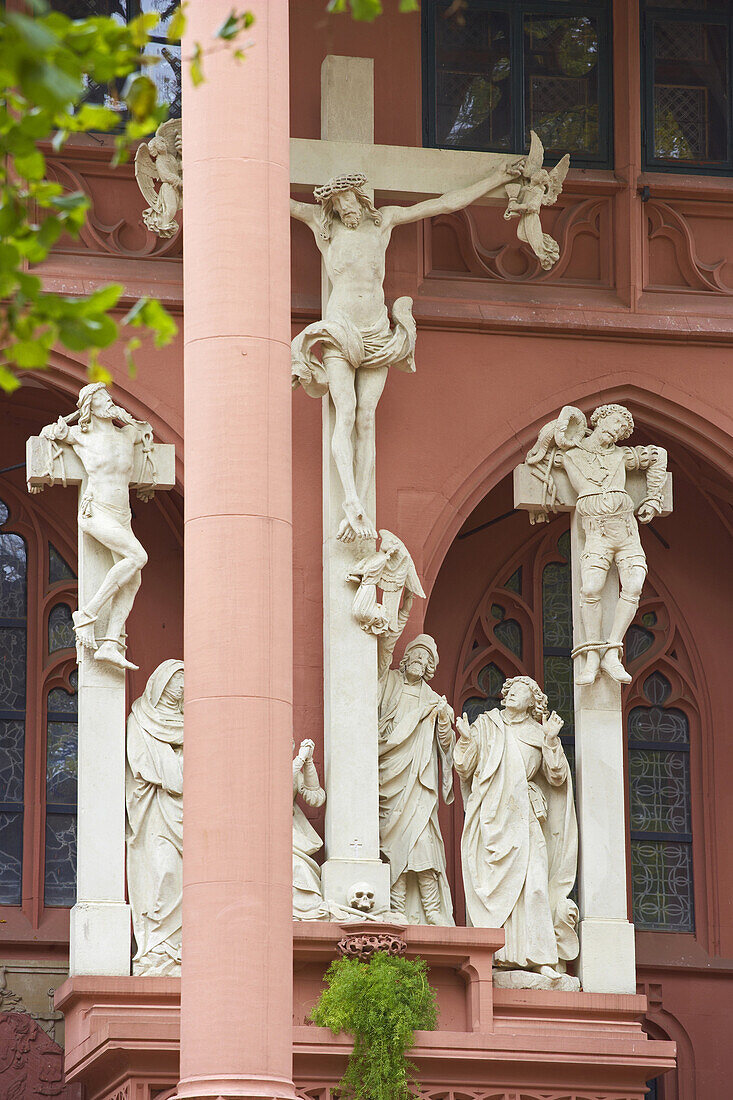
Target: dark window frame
(650,14)
(516,11)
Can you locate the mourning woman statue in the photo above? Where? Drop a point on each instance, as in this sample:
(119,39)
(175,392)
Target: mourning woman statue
(520,837)
(154,788)
(307,896)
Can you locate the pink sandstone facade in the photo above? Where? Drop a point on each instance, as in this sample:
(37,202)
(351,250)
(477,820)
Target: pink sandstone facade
(638,310)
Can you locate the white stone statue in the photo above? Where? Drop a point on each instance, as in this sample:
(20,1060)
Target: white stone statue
(160,159)
(108,456)
(358,344)
(519,847)
(415,744)
(154,796)
(538,188)
(391,569)
(307,896)
(597,469)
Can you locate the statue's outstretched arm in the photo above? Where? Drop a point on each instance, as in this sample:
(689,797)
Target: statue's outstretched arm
(452,200)
(303,211)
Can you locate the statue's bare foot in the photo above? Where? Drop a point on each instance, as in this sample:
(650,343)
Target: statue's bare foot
(549,972)
(84,628)
(357,524)
(611,664)
(588,673)
(112,653)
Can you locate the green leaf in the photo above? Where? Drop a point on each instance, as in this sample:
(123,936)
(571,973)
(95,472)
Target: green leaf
(8,381)
(28,354)
(31,165)
(103,299)
(197,76)
(150,313)
(409,5)
(140,95)
(177,25)
(229,28)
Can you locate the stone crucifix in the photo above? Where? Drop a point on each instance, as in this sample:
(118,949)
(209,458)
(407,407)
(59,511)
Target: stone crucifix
(104,451)
(609,488)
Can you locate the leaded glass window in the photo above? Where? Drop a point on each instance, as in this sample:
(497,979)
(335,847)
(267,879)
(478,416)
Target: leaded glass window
(37,662)
(13,671)
(61,781)
(495,71)
(687,82)
(660,812)
(164,70)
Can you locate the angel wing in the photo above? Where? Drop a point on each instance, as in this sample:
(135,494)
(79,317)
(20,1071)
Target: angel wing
(536,155)
(557,178)
(171,133)
(145,173)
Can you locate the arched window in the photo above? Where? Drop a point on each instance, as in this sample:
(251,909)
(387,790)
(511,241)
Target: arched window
(524,626)
(38,719)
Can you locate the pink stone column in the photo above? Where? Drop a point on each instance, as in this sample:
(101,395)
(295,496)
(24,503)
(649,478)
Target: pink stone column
(236,995)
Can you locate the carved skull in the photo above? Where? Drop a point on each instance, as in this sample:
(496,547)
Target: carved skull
(361,896)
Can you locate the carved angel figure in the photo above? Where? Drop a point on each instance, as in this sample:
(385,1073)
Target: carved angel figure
(160,159)
(538,188)
(393,571)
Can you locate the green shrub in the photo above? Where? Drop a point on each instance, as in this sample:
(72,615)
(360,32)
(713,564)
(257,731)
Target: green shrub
(381,1004)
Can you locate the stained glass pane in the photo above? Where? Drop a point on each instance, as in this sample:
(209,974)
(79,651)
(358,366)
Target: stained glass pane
(166,74)
(3,512)
(472,77)
(657,688)
(661,882)
(58,569)
(691,109)
(12,754)
(514,584)
(557,607)
(558,672)
(13,564)
(561,82)
(11,856)
(667,725)
(638,641)
(60,628)
(490,681)
(61,763)
(60,876)
(509,633)
(659,784)
(62,702)
(12,668)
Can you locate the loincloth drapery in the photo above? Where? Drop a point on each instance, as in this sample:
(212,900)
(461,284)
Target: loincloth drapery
(378,346)
(88,505)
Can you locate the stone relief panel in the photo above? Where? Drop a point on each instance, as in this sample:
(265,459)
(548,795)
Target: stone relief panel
(476,243)
(114,225)
(31,1064)
(688,247)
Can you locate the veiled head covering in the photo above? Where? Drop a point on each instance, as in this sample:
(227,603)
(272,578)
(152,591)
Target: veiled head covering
(161,722)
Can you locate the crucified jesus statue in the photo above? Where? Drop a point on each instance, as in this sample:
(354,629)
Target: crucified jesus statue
(358,343)
(107,455)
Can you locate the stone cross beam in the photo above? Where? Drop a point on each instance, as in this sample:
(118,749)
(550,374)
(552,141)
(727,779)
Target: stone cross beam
(607,952)
(100,920)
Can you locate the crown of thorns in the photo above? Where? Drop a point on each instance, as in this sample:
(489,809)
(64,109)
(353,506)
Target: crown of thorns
(352,182)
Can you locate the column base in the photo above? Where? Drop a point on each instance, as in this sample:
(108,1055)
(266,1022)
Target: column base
(99,933)
(339,875)
(607,956)
(230,1088)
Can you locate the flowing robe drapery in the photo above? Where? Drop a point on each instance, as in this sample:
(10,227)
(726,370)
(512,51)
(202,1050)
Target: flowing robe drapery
(414,743)
(307,896)
(154,796)
(520,840)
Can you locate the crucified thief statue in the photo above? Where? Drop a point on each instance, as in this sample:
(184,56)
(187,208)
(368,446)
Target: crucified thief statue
(597,469)
(358,344)
(107,454)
